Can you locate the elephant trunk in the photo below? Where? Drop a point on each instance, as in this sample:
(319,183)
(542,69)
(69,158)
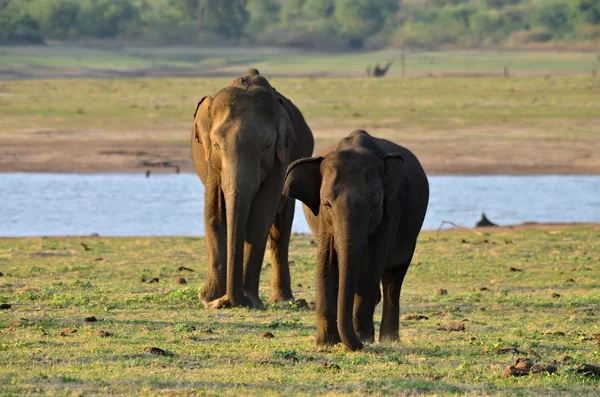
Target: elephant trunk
(350,247)
(238,198)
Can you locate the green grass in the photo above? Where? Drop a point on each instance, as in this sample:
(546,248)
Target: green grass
(53,284)
(533,107)
(40,60)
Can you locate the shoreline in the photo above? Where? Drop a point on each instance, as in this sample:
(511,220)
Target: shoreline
(481,231)
(110,157)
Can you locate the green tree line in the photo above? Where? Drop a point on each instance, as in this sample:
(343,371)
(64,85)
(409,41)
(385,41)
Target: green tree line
(314,24)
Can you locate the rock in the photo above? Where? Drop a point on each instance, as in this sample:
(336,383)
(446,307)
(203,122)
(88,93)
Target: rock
(524,363)
(485,222)
(154,350)
(514,371)
(180,280)
(588,369)
(91,319)
(301,304)
(508,349)
(268,335)
(539,368)
(291,356)
(411,317)
(5,306)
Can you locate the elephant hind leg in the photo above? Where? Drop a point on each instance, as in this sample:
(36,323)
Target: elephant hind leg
(279,241)
(392,284)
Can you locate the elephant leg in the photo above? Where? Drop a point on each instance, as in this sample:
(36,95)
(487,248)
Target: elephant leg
(215,227)
(279,241)
(327,294)
(366,298)
(392,284)
(257,231)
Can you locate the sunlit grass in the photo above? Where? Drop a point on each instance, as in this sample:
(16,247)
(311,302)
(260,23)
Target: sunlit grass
(53,284)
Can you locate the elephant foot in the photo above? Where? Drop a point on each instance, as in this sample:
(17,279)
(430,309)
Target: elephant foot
(329,339)
(354,344)
(225,302)
(256,302)
(281,297)
(389,337)
(208,294)
(366,338)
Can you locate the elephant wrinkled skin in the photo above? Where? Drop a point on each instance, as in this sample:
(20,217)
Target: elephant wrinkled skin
(365,200)
(242,142)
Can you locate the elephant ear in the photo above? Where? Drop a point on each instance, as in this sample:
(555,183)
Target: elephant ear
(397,186)
(202,124)
(285,132)
(303,182)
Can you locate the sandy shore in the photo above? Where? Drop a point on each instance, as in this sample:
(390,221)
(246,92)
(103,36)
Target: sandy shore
(49,154)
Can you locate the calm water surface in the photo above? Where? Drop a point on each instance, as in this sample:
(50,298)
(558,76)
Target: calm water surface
(172,204)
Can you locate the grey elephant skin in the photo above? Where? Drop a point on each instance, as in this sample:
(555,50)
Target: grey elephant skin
(243,140)
(365,200)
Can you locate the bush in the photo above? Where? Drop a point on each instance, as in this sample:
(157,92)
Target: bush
(18,27)
(531,36)
(57,18)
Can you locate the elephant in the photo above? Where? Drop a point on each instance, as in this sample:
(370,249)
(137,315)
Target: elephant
(365,200)
(242,142)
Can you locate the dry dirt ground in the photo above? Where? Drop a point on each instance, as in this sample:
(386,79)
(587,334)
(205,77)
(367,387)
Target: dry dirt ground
(106,152)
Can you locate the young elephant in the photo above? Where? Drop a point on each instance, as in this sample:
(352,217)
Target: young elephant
(242,142)
(365,199)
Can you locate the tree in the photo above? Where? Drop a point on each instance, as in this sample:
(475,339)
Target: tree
(291,11)
(555,17)
(57,18)
(361,18)
(17,25)
(589,10)
(224,18)
(318,9)
(263,14)
(107,18)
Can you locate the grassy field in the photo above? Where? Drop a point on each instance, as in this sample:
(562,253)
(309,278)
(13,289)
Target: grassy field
(454,124)
(53,61)
(546,307)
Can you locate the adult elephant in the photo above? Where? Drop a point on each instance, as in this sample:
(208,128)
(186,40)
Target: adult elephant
(365,199)
(242,142)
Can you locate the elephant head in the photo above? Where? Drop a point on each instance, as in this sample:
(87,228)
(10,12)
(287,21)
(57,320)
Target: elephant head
(354,193)
(244,132)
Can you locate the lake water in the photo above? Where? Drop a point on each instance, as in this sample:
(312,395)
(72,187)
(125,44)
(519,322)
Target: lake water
(172,204)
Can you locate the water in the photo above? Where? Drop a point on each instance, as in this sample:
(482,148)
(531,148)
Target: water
(133,205)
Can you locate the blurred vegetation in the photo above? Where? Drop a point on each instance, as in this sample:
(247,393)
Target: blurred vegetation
(313,24)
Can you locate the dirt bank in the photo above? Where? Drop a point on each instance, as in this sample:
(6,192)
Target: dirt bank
(488,157)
